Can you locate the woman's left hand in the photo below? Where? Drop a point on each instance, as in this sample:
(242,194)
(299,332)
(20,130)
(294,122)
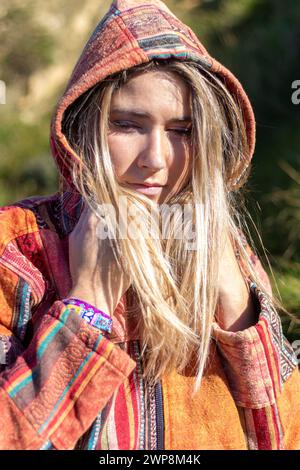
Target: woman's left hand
(236,310)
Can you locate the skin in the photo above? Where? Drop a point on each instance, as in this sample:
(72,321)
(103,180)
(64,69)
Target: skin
(154,148)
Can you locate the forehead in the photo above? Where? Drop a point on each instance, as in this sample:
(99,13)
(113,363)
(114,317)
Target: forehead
(154,91)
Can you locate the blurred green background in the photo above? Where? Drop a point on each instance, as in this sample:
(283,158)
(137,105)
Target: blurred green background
(259,40)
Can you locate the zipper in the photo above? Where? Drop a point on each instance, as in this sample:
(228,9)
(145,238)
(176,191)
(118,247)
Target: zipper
(159,416)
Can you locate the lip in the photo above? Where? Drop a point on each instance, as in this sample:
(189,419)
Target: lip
(147,188)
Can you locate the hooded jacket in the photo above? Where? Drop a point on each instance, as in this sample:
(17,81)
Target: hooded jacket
(66,385)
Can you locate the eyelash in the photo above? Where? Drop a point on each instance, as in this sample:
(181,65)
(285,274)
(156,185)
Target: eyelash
(127,126)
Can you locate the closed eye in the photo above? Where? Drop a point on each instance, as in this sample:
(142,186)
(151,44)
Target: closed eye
(125,125)
(129,125)
(183,131)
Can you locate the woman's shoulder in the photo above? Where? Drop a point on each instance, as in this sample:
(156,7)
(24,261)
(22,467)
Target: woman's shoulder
(16,220)
(56,212)
(31,231)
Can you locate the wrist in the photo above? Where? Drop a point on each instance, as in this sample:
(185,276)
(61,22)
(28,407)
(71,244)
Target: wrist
(237,310)
(91,298)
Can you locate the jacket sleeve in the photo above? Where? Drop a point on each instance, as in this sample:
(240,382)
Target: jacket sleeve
(51,390)
(258,361)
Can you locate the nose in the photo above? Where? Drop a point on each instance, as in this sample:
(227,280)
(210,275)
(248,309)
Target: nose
(155,154)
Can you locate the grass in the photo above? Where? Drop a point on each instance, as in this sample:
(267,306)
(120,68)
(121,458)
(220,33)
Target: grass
(287,278)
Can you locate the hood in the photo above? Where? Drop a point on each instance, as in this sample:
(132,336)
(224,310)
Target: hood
(133,32)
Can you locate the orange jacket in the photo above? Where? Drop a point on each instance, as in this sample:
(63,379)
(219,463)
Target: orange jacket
(65,385)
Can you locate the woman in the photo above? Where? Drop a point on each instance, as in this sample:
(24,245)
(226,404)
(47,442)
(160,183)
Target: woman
(138,338)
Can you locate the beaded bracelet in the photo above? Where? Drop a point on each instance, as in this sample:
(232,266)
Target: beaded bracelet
(90,314)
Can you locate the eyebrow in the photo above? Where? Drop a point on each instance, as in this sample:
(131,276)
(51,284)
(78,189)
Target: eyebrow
(143,114)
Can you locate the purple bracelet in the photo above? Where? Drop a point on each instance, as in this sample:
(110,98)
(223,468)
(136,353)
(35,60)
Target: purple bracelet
(91,314)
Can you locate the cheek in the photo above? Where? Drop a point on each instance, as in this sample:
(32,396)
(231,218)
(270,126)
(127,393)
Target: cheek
(181,166)
(121,154)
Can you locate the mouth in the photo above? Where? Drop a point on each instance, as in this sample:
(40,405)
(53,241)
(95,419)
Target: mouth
(147,188)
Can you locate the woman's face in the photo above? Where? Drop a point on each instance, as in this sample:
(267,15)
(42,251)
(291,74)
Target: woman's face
(149,134)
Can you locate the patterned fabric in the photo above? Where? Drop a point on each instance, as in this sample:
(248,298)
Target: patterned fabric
(65,384)
(90,314)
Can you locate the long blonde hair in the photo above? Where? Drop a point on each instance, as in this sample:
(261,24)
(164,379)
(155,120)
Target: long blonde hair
(174,291)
